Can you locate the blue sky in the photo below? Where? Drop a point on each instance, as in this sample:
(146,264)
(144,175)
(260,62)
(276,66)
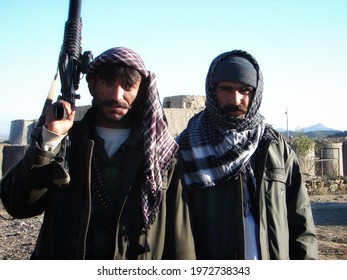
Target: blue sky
(301,47)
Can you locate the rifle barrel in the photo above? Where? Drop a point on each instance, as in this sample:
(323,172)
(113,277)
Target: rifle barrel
(75,9)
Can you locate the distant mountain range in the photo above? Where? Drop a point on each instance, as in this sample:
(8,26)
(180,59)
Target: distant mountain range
(316,131)
(316,127)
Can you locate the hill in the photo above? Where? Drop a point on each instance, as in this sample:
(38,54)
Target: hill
(317,127)
(339,134)
(314,131)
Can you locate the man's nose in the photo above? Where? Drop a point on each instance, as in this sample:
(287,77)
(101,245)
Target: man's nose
(118,92)
(236,97)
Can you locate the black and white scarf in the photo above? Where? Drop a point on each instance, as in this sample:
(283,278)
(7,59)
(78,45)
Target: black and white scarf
(215,147)
(159,146)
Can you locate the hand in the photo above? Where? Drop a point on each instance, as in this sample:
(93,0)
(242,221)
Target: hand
(60,127)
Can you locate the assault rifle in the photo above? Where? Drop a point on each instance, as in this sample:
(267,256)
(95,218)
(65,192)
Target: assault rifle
(71,64)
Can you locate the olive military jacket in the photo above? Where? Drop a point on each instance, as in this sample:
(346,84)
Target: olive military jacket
(27,190)
(280,206)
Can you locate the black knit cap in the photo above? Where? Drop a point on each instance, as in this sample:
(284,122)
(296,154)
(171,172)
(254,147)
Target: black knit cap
(235,69)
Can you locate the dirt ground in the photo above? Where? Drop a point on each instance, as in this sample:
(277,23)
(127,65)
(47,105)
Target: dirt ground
(330,216)
(17,237)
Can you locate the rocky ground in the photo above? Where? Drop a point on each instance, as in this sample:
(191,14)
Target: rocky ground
(17,237)
(330,215)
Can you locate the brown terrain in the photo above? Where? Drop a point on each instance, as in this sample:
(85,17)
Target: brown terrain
(17,237)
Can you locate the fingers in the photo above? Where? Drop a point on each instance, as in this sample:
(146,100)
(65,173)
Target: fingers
(72,112)
(62,125)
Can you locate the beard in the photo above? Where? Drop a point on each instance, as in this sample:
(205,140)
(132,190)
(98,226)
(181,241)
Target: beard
(230,108)
(110,111)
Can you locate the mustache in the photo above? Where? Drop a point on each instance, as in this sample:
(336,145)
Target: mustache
(234,108)
(114,103)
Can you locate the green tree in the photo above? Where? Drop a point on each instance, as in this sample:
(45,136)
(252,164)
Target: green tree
(303,146)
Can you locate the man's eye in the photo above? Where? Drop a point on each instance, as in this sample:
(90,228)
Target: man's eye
(246,90)
(224,88)
(127,87)
(107,83)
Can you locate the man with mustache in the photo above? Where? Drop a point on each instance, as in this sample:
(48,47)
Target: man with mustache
(122,197)
(247,196)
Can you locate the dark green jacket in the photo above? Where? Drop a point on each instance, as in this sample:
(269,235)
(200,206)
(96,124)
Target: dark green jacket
(280,205)
(27,190)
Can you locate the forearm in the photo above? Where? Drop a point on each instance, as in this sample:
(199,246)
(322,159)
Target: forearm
(23,187)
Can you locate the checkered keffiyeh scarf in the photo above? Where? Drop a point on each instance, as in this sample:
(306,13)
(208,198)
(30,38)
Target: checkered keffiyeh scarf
(216,147)
(159,146)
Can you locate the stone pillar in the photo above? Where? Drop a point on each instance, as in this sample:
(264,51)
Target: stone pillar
(332,159)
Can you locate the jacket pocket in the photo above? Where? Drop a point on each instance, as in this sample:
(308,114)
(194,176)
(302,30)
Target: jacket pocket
(274,214)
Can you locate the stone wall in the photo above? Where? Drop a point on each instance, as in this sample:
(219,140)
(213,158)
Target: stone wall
(177,119)
(190,102)
(20,131)
(326,186)
(179,109)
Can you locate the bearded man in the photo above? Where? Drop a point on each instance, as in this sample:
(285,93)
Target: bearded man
(246,192)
